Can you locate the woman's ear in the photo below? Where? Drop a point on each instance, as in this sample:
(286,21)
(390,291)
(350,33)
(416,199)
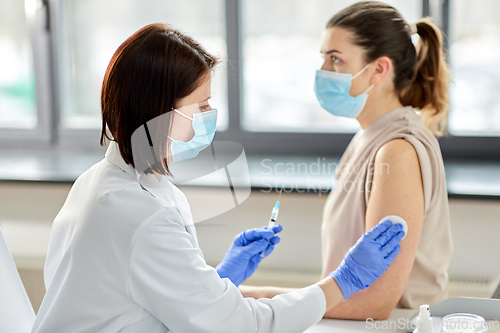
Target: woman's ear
(382,67)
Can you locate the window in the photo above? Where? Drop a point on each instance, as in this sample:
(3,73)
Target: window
(281,43)
(475,58)
(17,79)
(52,66)
(92,30)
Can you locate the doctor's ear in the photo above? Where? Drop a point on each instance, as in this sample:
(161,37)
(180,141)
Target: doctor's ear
(381,68)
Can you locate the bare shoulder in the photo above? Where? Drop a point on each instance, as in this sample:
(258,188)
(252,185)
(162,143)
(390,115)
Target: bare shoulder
(397,152)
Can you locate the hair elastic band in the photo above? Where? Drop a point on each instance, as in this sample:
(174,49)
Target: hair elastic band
(413,28)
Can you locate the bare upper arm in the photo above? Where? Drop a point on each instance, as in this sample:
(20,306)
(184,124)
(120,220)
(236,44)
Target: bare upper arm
(397,185)
(397,189)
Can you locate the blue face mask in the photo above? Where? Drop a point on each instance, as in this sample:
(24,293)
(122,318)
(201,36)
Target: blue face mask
(204,124)
(332,92)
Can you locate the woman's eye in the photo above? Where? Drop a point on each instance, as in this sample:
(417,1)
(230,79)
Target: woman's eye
(335,59)
(204,107)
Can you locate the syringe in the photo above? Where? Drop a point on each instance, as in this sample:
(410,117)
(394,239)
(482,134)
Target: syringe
(274,213)
(274,217)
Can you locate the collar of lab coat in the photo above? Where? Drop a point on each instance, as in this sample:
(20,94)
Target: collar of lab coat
(113,155)
(166,192)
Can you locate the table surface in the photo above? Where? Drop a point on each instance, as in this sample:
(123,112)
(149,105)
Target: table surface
(398,319)
(344,326)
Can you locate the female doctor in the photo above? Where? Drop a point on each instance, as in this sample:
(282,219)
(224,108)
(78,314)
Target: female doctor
(123,254)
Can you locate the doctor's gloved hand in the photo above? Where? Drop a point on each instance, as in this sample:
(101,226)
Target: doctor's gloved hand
(243,256)
(369,258)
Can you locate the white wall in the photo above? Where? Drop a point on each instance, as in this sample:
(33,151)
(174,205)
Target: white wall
(27,211)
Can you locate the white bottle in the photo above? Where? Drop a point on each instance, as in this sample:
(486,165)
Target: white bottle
(424,320)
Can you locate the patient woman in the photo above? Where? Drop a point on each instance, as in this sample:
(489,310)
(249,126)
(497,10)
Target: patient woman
(393,165)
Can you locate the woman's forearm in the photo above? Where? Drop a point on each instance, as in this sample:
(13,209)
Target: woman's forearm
(376,302)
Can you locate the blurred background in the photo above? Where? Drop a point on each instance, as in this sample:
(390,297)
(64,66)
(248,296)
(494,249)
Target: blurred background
(278,43)
(53,55)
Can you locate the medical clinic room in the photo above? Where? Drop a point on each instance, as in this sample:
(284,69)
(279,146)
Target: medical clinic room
(249,166)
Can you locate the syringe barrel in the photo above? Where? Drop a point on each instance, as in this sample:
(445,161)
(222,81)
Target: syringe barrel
(274,214)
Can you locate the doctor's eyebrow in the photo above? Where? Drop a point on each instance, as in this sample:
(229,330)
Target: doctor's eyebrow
(206,99)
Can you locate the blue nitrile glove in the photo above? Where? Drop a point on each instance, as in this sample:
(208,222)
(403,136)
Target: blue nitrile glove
(369,258)
(243,256)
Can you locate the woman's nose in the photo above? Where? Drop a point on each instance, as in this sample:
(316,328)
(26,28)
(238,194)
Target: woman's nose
(324,66)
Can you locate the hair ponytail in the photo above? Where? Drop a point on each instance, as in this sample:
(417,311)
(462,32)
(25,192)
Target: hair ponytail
(421,74)
(428,90)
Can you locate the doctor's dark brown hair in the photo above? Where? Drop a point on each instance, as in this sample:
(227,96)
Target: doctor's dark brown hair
(147,75)
(421,74)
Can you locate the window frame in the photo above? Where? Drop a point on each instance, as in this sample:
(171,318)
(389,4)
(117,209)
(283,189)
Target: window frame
(50,134)
(456,147)
(43,135)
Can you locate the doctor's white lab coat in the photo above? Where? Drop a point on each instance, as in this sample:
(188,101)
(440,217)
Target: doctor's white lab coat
(125,258)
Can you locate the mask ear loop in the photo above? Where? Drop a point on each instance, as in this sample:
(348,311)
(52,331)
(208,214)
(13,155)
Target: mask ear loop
(368,89)
(361,71)
(182,114)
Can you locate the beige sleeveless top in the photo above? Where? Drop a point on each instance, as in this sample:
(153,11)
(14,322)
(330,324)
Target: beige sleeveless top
(345,209)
